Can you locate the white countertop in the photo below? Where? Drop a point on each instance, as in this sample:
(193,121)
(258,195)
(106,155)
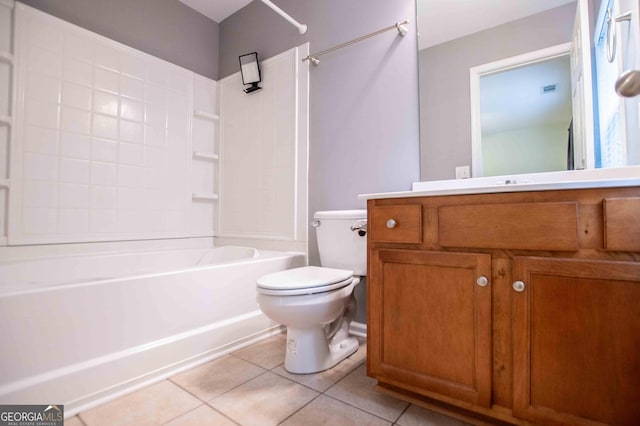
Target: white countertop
(551,181)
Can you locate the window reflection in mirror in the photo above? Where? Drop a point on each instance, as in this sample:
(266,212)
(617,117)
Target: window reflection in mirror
(525,115)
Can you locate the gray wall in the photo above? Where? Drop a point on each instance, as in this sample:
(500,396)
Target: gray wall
(363,100)
(166,29)
(364,132)
(445,109)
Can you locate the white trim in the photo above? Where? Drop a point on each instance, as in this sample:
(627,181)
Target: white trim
(140,366)
(205,155)
(474,85)
(203,196)
(358,329)
(5,183)
(7,3)
(204,114)
(6,57)
(6,120)
(256,237)
(589,114)
(84,404)
(104,247)
(301,229)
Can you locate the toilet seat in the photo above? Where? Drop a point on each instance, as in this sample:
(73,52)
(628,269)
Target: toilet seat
(305,280)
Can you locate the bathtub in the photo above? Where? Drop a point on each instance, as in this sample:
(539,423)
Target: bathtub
(80,330)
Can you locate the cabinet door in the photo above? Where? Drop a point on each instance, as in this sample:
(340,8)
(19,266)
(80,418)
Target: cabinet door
(429,327)
(576,331)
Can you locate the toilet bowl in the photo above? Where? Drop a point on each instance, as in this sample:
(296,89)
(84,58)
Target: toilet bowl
(317,304)
(316,312)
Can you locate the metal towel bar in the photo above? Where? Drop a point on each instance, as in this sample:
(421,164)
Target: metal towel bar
(399,26)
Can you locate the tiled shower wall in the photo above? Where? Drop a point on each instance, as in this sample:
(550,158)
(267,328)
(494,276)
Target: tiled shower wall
(264,152)
(110,143)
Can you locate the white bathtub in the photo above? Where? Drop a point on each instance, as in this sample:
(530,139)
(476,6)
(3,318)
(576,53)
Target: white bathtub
(79,330)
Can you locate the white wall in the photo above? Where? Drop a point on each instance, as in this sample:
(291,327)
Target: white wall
(104,140)
(151,171)
(363,115)
(263,158)
(528,150)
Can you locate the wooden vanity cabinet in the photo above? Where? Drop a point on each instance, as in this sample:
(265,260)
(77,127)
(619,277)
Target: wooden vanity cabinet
(510,306)
(422,299)
(576,341)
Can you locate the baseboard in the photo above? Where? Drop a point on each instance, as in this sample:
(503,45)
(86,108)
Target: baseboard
(358,329)
(94,382)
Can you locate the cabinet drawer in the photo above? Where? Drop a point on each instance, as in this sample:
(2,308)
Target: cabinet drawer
(622,224)
(396,224)
(524,226)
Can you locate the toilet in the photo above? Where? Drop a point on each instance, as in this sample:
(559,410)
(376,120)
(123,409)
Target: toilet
(317,304)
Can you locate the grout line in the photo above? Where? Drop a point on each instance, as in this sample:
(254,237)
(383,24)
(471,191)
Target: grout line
(183,414)
(186,390)
(358,408)
(401,414)
(79,419)
(254,363)
(301,408)
(227,391)
(223,415)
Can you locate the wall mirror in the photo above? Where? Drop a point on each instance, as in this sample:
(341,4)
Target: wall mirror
(518,72)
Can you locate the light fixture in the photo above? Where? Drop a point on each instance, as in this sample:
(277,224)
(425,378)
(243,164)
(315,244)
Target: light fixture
(250,71)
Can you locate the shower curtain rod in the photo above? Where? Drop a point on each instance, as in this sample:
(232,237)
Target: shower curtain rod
(399,26)
(302,28)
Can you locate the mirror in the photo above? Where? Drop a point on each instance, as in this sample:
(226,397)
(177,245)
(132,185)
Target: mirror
(457,36)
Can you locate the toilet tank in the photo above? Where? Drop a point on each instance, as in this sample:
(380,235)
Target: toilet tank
(339,246)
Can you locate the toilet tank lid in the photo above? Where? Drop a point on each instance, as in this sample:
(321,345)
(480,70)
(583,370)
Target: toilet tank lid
(341,214)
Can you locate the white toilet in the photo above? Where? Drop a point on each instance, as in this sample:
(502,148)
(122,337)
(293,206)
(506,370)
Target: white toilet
(317,303)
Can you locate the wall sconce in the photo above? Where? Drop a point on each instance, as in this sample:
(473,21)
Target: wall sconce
(250,71)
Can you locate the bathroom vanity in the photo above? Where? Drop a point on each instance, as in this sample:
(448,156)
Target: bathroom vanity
(515,303)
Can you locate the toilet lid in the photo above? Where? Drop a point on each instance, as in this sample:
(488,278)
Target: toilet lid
(306,280)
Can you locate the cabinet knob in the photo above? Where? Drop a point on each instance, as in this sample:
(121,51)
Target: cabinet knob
(518,286)
(391,223)
(482,281)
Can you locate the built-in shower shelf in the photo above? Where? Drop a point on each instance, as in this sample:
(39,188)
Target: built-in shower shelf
(4,183)
(204,196)
(5,120)
(204,114)
(206,155)
(6,57)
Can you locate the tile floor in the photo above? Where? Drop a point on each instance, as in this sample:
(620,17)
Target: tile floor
(251,387)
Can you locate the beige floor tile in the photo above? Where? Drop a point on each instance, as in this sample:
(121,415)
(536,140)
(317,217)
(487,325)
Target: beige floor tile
(267,354)
(328,411)
(323,380)
(266,400)
(201,416)
(73,421)
(152,405)
(358,390)
(417,416)
(216,377)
